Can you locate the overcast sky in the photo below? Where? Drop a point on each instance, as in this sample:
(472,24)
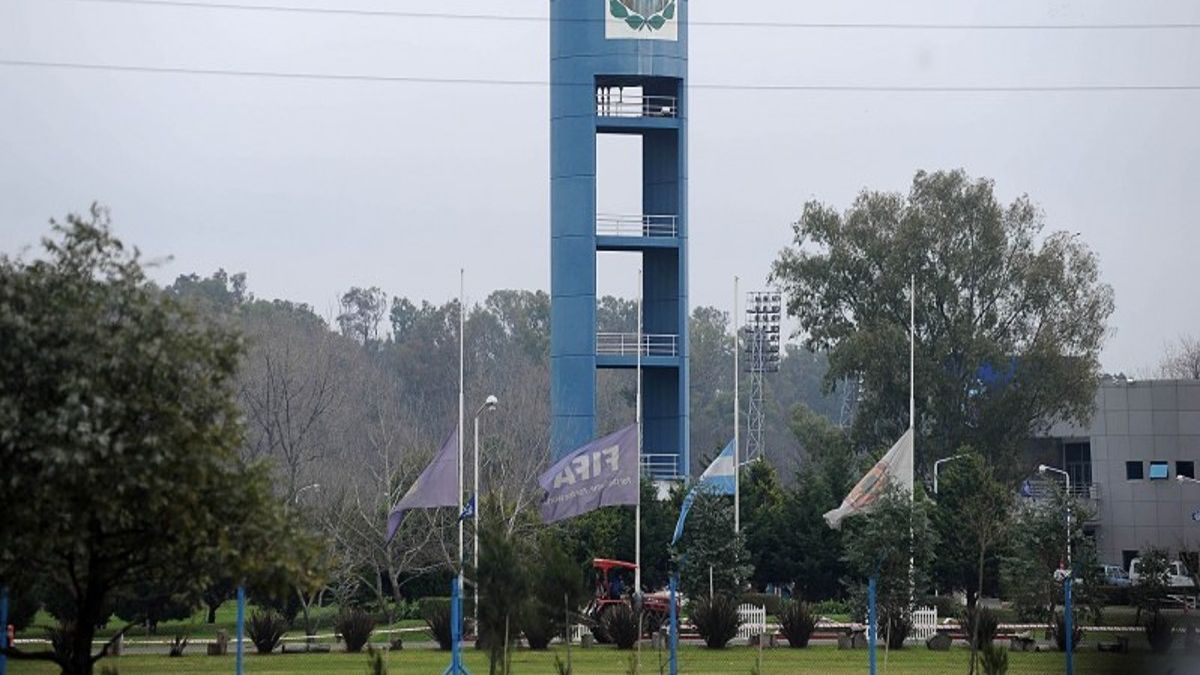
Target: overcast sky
(314,186)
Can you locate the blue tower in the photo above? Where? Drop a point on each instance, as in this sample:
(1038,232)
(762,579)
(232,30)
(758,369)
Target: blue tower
(619,67)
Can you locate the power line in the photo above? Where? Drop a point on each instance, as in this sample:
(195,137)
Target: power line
(517,18)
(474,81)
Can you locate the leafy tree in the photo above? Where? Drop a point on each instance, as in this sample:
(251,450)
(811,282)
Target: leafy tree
(895,544)
(120,439)
(362,310)
(710,543)
(555,588)
(1009,325)
(503,586)
(149,606)
(971,520)
(1038,542)
(608,533)
(1150,591)
(762,520)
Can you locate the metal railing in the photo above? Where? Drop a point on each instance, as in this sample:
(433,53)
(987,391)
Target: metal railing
(626,344)
(1046,489)
(661,467)
(613,225)
(613,103)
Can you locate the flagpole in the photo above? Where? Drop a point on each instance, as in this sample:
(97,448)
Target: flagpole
(462,352)
(737,413)
(912,356)
(637,516)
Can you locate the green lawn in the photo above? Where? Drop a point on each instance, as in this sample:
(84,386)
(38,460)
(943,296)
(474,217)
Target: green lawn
(601,661)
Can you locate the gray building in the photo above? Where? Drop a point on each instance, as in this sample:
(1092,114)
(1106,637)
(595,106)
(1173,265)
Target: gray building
(1124,464)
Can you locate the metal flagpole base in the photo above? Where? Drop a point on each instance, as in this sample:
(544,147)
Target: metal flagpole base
(456,666)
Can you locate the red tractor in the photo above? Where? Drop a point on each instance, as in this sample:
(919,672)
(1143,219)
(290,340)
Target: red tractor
(612,590)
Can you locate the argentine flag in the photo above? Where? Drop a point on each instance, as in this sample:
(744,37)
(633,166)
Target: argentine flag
(717,479)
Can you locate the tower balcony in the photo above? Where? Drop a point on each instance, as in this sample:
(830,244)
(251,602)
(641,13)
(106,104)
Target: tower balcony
(618,102)
(636,232)
(626,345)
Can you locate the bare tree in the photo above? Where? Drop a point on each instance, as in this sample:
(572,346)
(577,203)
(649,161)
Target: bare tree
(1182,360)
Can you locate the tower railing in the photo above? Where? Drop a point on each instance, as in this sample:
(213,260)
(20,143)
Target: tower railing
(661,466)
(614,225)
(626,344)
(611,102)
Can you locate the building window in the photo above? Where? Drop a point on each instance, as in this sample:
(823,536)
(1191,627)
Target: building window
(1133,471)
(1078,461)
(1185,469)
(1159,471)
(1127,557)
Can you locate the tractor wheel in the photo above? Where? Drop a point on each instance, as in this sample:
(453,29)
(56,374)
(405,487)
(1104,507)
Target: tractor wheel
(652,620)
(597,625)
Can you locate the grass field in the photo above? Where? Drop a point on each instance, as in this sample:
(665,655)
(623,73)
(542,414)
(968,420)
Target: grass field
(602,661)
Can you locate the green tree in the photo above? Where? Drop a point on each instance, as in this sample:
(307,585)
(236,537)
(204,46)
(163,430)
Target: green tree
(1009,324)
(503,586)
(1037,547)
(1150,591)
(709,543)
(895,544)
(120,439)
(971,519)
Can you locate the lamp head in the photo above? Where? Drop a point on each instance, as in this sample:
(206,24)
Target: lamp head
(1181,478)
(491,402)
(1041,468)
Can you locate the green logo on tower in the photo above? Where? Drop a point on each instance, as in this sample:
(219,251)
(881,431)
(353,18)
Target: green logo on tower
(641,19)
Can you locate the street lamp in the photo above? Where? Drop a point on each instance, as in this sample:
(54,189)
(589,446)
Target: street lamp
(1042,469)
(1184,479)
(488,404)
(1069,573)
(937,465)
(312,486)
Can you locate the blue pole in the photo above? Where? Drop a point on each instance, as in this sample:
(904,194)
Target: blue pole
(871,622)
(456,664)
(3,629)
(241,625)
(1068,620)
(674,659)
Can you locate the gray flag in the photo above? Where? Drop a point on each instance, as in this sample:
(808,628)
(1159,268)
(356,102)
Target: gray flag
(436,487)
(601,473)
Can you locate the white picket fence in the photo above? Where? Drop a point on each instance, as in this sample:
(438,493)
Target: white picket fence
(754,621)
(925,623)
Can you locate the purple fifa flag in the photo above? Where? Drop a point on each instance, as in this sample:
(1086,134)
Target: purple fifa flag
(437,486)
(601,473)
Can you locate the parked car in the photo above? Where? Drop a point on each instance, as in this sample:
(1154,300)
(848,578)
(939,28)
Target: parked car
(1113,575)
(1178,577)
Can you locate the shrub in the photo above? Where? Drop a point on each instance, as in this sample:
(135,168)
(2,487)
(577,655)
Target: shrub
(797,622)
(716,619)
(1060,633)
(355,627)
(830,607)
(265,630)
(538,625)
(437,616)
(989,623)
(773,603)
(994,659)
(621,625)
(1160,632)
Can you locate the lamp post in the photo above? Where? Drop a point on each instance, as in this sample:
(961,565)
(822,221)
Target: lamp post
(312,486)
(937,465)
(1043,469)
(488,404)
(1068,619)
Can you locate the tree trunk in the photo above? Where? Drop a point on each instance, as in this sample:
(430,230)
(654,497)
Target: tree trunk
(978,610)
(212,613)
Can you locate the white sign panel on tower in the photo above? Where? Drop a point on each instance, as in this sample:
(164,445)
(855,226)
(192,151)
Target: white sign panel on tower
(641,19)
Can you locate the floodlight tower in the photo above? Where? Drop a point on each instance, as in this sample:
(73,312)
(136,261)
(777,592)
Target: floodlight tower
(762,349)
(619,67)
